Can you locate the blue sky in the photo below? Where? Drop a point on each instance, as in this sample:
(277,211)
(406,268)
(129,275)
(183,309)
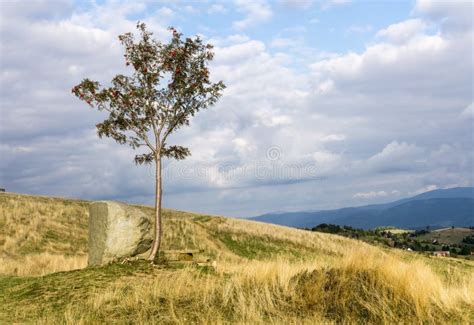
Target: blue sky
(328,103)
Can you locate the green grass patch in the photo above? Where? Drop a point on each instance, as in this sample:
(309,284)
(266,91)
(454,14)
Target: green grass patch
(261,247)
(55,291)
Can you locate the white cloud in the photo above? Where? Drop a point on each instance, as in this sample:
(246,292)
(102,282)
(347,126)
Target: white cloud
(370,195)
(271,118)
(333,137)
(359,29)
(453,16)
(238,38)
(325,158)
(325,87)
(217,8)
(190,9)
(256,11)
(383,65)
(243,146)
(424,189)
(280,42)
(403,31)
(396,157)
(328,4)
(468,112)
(166,12)
(396,150)
(239,52)
(297,4)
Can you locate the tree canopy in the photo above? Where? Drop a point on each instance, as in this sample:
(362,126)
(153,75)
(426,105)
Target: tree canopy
(170,84)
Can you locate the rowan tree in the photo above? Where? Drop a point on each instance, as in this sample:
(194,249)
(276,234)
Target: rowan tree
(170,83)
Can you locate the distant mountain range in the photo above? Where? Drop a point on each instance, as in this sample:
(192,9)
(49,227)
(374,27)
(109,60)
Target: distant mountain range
(437,209)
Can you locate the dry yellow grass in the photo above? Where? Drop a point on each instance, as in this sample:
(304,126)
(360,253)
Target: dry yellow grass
(40,235)
(264,274)
(41,264)
(367,286)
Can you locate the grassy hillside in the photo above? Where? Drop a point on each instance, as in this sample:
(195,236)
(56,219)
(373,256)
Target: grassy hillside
(448,235)
(264,273)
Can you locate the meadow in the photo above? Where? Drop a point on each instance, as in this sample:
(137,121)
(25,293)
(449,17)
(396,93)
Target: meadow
(262,274)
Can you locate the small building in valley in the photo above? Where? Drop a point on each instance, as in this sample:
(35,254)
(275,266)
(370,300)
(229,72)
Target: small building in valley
(441,253)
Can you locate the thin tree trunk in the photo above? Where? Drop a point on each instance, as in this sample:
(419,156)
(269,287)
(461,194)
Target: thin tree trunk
(158,194)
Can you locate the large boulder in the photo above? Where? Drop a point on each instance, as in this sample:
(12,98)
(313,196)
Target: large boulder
(117,231)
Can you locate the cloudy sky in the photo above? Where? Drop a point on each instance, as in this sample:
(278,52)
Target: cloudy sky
(328,104)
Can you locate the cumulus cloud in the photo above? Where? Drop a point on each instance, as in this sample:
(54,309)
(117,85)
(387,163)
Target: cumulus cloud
(256,11)
(240,52)
(453,16)
(403,31)
(396,157)
(382,65)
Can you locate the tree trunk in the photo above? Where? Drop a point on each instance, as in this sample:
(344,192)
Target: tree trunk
(158,194)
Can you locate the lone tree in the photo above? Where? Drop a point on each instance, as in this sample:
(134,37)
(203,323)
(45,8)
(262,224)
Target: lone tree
(170,83)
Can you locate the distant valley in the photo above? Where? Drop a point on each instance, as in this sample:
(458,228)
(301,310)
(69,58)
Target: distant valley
(436,209)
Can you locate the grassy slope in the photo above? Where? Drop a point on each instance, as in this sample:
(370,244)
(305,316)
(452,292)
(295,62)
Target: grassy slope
(448,236)
(264,273)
